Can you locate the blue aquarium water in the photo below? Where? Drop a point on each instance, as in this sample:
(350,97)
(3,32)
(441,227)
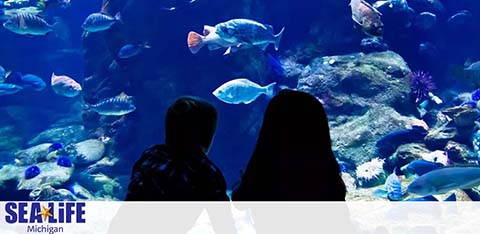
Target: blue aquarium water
(85,85)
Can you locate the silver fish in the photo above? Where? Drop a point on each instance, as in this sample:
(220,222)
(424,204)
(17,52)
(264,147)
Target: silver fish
(97,22)
(445,179)
(392,188)
(65,86)
(235,34)
(368,17)
(115,106)
(242,91)
(28,24)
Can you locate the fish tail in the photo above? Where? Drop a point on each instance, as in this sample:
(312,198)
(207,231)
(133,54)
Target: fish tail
(278,38)
(146,45)
(118,17)
(270,89)
(195,42)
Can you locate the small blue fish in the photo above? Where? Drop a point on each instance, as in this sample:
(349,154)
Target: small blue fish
(392,188)
(8,89)
(27,81)
(54,147)
(242,91)
(131,50)
(476,95)
(97,22)
(421,167)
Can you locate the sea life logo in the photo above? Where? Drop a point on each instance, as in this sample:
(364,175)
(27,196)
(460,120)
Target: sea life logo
(45,217)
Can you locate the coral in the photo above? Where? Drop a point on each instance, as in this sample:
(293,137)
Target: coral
(371,173)
(32,172)
(421,84)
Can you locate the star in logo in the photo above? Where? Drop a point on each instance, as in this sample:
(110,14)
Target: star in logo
(45,213)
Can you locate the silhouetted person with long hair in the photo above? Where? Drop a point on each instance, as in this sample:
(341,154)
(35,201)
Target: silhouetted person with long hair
(179,170)
(293,158)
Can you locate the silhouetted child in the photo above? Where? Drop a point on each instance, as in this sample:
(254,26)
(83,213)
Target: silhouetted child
(293,158)
(180,170)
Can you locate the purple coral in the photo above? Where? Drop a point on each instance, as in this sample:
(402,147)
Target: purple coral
(421,84)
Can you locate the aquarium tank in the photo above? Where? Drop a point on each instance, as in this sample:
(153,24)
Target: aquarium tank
(85,86)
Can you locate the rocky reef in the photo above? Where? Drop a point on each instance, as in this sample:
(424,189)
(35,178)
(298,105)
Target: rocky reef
(353,84)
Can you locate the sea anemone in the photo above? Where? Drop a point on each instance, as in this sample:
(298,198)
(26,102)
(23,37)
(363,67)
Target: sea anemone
(371,173)
(32,172)
(421,84)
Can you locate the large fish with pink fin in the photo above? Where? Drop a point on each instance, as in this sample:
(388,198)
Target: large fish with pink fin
(234,35)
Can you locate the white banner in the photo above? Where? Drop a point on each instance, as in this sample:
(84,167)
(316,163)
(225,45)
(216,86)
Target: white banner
(241,218)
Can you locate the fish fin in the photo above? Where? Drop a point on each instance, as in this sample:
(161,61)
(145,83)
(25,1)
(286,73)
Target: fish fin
(123,95)
(114,65)
(270,89)
(22,23)
(430,198)
(7,74)
(278,38)
(208,29)
(194,42)
(356,23)
(468,62)
(264,46)
(269,27)
(248,102)
(118,17)
(228,51)
(146,45)
(371,7)
(380,193)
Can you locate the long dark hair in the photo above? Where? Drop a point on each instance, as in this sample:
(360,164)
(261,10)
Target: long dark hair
(293,158)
